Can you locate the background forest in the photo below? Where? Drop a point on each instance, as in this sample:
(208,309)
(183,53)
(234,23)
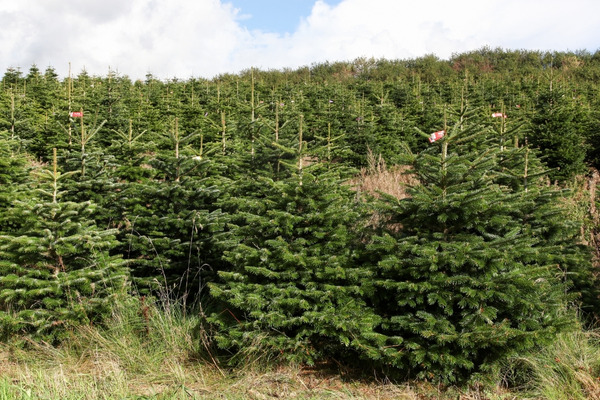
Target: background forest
(308,215)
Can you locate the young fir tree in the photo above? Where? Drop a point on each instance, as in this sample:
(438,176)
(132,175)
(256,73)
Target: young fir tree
(520,169)
(559,128)
(55,267)
(170,220)
(12,172)
(94,176)
(464,277)
(130,149)
(292,286)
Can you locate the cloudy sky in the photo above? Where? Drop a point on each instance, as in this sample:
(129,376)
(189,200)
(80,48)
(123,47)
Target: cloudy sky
(204,38)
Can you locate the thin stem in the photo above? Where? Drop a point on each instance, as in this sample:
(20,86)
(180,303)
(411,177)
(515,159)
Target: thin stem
(54,176)
(223,126)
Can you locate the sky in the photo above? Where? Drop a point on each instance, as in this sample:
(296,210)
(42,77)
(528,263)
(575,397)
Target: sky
(205,38)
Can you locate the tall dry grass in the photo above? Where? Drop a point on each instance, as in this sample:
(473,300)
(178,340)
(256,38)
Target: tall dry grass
(145,350)
(378,178)
(568,369)
(149,351)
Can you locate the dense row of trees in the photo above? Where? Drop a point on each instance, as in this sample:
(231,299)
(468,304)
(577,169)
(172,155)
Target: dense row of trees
(233,192)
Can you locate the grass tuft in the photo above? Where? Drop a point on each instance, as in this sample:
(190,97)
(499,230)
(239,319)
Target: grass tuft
(379,178)
(144,350)
(151,351)
(568,369)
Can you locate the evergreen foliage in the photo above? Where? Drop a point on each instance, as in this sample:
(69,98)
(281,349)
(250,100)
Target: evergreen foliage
(559,131)
(241,181)
(293,282)
(168,236)
(56,270)
(468,278)
(12,171)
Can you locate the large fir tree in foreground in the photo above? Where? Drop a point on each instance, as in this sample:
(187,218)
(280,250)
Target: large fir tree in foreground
(293,283)
(468,271)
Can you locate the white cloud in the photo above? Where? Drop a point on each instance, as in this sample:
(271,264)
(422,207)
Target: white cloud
(407,29)
(185,38)
(164,37)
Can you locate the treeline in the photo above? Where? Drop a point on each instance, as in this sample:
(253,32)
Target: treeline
(237,196)
(373,102)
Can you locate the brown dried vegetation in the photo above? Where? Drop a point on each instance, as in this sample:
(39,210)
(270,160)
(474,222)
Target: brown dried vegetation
(378,178)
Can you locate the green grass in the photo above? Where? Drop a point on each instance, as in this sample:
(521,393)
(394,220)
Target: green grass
(569,369)
(152,352)
(143,351)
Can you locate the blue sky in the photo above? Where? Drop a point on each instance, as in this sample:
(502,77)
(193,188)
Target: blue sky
(206,38)
(280,16)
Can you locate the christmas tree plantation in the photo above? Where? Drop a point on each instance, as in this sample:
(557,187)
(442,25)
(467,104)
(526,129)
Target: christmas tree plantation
(233,196)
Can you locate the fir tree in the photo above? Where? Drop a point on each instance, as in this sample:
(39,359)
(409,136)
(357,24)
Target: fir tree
(12,172)
(170,220)
(463,280)
(55,268)
(559,130)
(292,286)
